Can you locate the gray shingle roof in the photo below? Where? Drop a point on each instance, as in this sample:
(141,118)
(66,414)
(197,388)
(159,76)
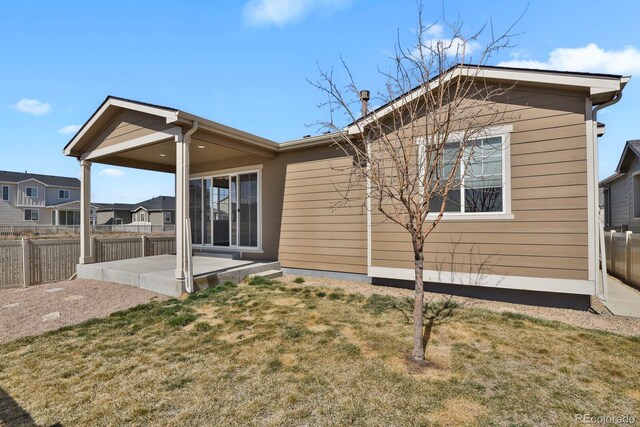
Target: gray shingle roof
(52,180)
(160,203)
(114,207)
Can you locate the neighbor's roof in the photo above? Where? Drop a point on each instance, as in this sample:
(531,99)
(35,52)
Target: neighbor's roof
(50,180)
(160,203)
(114,207)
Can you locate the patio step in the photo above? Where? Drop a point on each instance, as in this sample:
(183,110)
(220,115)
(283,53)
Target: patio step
(235,275)
(270,274)
(221,254)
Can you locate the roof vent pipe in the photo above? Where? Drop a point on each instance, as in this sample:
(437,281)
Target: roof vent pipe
(365,95)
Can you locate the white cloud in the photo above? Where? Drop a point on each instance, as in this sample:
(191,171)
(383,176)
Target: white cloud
(281,12)
(453,45)
(69,129)
(32,106)
(588,58)
(112,172)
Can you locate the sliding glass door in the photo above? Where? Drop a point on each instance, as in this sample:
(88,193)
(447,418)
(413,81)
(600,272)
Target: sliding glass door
(224,210)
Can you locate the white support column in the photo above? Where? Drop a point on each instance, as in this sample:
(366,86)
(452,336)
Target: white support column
(182,202)
(85,212)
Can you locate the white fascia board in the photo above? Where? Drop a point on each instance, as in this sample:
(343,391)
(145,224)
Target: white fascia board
(133,143)
(112,102)
(596,85)
(541,284)
(32,179)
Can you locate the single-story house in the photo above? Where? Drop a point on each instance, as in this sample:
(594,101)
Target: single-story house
(277,201)
(30,198)
(621,191)
(114,213)
(158,210)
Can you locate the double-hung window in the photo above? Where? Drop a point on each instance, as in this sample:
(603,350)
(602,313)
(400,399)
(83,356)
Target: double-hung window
(63,194)
(167,216)
(32,191)
(479,184)
(5,193)
(31,214)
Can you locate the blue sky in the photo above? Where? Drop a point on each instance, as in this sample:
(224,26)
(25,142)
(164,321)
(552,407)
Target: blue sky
(246,64)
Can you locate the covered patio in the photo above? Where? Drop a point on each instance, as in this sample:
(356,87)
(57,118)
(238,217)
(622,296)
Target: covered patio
(151,137)
(156,273)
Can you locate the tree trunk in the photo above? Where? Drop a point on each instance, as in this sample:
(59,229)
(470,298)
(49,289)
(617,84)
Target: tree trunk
(418,343)
(427,333)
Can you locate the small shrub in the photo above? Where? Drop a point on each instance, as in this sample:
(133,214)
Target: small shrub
(182,319)
(335,295)
(299,280)
(259,281)
(321,294)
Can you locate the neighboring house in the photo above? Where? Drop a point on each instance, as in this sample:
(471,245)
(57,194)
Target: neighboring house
(28,198)
(156,211)
(114,213)
(277,201)
(621,191)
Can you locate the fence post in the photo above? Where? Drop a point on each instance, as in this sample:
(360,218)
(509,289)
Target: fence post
(610,262)
(627,256)
(94,249)
(26,263)
(144,245)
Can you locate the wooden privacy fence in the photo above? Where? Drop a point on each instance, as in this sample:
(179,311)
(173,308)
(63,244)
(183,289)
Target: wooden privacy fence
(26,262)
(623,256)
(44,230)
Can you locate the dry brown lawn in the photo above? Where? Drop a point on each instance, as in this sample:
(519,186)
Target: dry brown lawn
(274,354)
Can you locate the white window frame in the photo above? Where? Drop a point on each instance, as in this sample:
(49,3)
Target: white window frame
(504,132)
(8,193)
(167,221)
(34,192)
(142,216)
(32,211)
(61,192)
(119,221)
(228,172)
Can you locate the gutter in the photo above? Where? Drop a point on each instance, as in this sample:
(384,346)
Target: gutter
(603,256)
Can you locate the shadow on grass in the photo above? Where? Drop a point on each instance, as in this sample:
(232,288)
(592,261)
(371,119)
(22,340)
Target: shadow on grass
(12,414)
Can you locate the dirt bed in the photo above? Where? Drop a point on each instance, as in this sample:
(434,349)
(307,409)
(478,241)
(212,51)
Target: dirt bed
(41,308)
(598,318)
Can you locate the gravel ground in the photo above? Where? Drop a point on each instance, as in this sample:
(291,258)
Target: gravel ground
(41,308)
(598,318)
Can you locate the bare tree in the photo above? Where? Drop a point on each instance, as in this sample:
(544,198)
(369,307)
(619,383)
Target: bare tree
(413,152)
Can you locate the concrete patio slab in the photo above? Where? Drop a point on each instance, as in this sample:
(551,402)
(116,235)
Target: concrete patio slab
(156,273)
(622,300)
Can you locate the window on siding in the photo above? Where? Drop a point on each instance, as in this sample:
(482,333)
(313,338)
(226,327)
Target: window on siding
(63,194)
(32,191)
(480,188)
(31,214)
(142,217)
(5,193)
(69,218)
(167,217)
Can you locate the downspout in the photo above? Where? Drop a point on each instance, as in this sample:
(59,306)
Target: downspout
(188,250)
(601,247)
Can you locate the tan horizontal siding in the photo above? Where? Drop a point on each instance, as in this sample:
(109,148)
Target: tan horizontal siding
(548,235)
(129,125)
(313,212)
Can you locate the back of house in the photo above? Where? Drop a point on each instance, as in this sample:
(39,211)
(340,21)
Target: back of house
(285,202)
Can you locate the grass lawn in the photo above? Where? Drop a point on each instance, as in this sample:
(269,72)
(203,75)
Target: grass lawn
(270,354)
